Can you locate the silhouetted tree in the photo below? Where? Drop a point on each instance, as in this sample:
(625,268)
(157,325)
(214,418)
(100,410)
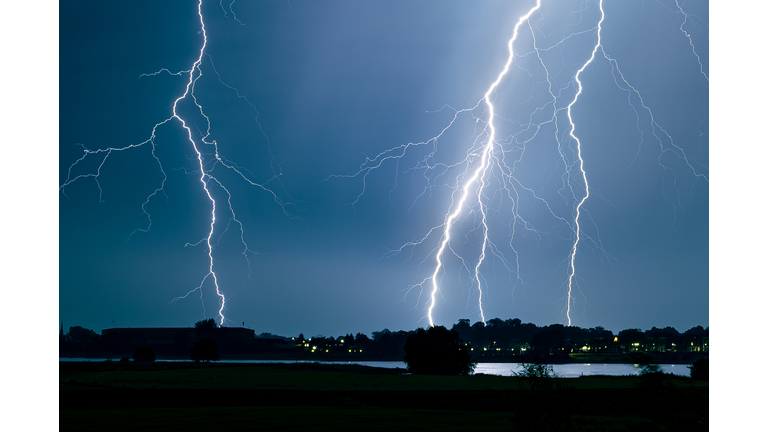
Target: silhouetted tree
(362,341)
(437,351)
(700,369)
(205,350)
(349,340)
(464,329)
(79,334)
(698,330)
(377,335)
(267,335)
(600,333)
(390,344)
(496,323)
(550,341)
(207,324)
(480,336)
(525,331)
(143,354)
(629,337)
(693,339)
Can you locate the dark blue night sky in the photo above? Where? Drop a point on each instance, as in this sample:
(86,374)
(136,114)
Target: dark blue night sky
(300,93)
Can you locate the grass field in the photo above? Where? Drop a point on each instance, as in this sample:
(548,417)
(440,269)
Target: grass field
(109,396)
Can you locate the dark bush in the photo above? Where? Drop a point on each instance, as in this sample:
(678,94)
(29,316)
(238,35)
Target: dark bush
(437,351)
(700,369)
(546,405)
(143,354)
(205,350)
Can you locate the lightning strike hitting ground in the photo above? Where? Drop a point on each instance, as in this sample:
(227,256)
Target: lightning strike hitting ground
(506,193)
(207,157)
(572,258)
(491,160)
(479,174)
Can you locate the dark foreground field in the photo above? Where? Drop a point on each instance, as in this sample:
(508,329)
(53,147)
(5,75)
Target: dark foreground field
(116,396)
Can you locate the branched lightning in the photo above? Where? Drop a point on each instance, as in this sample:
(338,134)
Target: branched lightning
(478,175)
(690,40)
(623,84)
(234,16)
(572,258)
(207,157)
(486,184)
(494,159)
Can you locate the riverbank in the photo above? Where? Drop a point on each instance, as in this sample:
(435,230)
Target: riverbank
(230,396)
(609,358)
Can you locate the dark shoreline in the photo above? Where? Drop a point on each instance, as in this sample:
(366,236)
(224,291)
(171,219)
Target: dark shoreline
(661,358)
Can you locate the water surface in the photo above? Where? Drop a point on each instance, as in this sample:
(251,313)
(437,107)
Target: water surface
(571,370)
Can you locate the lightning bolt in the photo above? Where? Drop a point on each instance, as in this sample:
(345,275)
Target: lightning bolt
(690,40)
(491,159)
(669,148)
(494,159)
(479,174)
(572,259)
(207,158)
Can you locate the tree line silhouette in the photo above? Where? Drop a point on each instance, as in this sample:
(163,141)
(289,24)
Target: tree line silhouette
(495,340)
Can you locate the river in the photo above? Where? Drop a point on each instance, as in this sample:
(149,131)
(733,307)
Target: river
(571,370)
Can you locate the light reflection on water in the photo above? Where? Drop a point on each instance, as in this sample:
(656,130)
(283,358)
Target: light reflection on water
(574,370)
(571,370)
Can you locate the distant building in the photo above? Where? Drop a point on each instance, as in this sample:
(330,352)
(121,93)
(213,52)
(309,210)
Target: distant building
(176,341)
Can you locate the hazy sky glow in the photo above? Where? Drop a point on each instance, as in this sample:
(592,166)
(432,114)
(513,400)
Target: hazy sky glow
(299,94)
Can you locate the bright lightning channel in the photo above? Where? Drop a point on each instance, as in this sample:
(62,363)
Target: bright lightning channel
(479,173)
(572,260)
(206,178)
(487,153)
(672,148)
